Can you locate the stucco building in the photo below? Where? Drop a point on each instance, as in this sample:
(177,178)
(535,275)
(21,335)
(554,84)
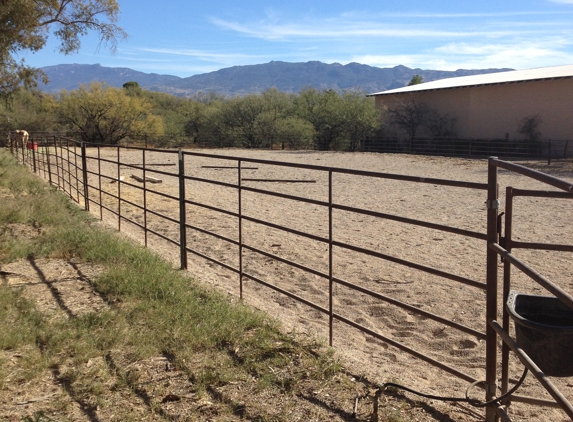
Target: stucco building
(495,105)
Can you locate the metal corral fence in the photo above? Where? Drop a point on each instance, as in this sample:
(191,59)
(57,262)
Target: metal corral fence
(77,170)
(460,147)
(504,148)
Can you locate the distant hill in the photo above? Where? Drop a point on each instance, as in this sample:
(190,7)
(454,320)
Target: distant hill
(242,80)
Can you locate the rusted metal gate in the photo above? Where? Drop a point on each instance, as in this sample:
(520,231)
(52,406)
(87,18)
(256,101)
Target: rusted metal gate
(69,166)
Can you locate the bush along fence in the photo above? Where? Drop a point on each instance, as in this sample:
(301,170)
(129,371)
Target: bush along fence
(92,176)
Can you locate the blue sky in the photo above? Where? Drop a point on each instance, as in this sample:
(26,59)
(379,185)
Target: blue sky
(187,37)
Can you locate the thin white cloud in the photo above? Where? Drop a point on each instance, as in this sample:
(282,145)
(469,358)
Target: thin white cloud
(562,1)
(455,56)
(225,59)
(454,15)
(355,29)
(358,24)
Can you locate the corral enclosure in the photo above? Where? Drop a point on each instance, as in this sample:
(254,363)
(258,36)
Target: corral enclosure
(401,222)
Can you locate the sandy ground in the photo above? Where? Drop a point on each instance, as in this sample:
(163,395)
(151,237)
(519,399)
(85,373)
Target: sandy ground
(536,219)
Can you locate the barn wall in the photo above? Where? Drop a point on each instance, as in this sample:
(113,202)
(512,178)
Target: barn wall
(492,111)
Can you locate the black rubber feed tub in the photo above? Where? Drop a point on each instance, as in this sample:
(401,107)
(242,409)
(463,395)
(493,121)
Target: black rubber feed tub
(544,330)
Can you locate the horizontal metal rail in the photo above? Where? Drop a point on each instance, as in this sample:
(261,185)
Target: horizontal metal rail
(211,182)
(135,223)
(412,221)
(536,401)
(163,194)
(215,235)
(411,308)
(126,201)
(279,180)
(534,174)
(168,239)
(286,229)
(541,193)
(409,264)
(208,258)
(406,349)
(211,208)
(229,167)
(286,293)
(542,246)
(166,217)
(286,261)
(534,275)
(284,195)
(443,182)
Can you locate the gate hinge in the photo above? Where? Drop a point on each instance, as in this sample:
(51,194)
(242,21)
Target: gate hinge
(492,204)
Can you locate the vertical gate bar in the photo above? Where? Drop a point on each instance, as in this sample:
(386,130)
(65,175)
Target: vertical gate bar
(118,192)
(57,164)
(47,152)
(85,176)
(182,215)
(33,155)
(99,182)
(41,159)
(240,211)
(144,198)
(330,271)
(69,169)
(491,280)
(76,169)
(506,288)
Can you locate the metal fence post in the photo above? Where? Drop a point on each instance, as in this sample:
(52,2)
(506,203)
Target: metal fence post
(240,211)
(330,263)
(491,280)
(31,145)
(506,286)
(182,215)
(144,196)
(85,176)
(118,189)
(47,153)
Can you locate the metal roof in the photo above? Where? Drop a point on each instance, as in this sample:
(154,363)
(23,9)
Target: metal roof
(514,76)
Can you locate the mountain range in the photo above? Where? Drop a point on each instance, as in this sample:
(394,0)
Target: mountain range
(243,80)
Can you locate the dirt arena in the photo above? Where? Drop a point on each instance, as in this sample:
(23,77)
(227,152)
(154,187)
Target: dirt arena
(535,219)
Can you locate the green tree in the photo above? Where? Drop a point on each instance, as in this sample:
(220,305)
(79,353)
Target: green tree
(323,109)
(173,110)
(416,80)
(32,111)
(295,133)
(26,24)
(361,118)
(341,121)
(103,114)
(132,88)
